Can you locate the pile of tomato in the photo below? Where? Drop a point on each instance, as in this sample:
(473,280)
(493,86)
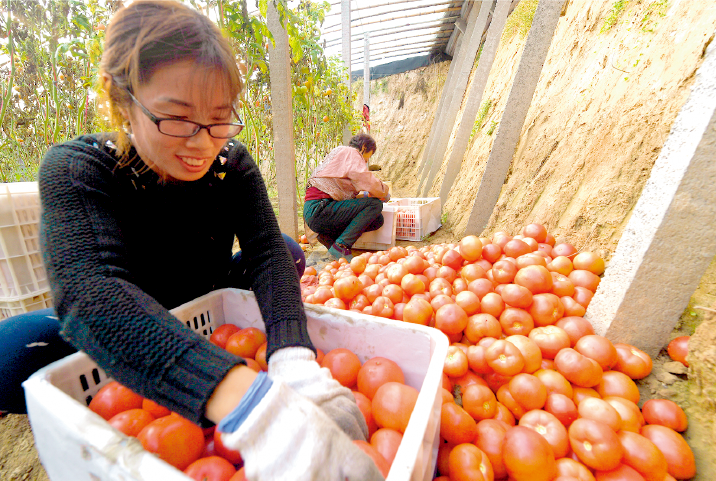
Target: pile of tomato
(378,386)
(529,391)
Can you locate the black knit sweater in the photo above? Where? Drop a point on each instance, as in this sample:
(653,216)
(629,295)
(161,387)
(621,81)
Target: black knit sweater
(121,247)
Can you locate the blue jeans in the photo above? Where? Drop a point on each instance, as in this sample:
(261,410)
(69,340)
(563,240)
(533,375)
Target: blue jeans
(31,341)
(344,221)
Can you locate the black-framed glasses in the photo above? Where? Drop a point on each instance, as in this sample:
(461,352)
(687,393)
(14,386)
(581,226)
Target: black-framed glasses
(187,128)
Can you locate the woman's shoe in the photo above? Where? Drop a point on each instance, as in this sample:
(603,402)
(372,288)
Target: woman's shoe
(338,251)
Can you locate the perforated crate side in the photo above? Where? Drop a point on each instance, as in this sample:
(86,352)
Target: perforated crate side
(13,307)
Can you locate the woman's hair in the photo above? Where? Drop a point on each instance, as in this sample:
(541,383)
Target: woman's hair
(149,34)
(363,140)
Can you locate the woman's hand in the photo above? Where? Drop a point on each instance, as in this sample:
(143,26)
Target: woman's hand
(284,436)
(297,367)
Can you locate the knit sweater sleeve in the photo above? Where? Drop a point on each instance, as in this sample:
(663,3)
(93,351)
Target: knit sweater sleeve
(269,263)
(102,311)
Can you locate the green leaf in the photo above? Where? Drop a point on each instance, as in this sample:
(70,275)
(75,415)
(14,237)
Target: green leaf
(263,8)
(81,21)
(296,48)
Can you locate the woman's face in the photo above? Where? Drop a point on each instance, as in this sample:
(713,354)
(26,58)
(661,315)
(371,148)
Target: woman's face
(367,154)
(180,91)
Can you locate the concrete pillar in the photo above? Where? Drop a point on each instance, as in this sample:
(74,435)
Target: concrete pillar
(425,160)
(366,70)
(668,243)
(474,99)
(346,54)
(284,152)
(476,22)
(534,53)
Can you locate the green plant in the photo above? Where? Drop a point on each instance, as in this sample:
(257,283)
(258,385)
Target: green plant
(491,129)
(443,218)
(613,15)
(481,115)
(655,9)
(520,20)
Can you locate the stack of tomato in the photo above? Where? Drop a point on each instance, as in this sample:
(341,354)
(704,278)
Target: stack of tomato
(530,393)
(378,386)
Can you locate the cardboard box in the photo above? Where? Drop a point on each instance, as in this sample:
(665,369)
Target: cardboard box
(76,444)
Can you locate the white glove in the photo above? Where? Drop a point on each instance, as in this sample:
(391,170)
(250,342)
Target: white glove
(287,437)
(297,367)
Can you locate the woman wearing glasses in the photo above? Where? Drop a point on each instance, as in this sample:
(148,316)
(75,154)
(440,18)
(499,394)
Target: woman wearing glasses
(138,222)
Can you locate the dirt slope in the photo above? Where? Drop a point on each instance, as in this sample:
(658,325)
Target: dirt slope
(602,109)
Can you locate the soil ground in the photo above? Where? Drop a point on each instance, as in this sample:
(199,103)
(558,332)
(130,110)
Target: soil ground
(603,108)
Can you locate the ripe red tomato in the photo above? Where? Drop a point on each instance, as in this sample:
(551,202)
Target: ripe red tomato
(231,455)
(571,470)
(528,391)
(212,468)
(615,383)
(261,356)
(528,456)
(578,369)
(479,402)
(680,460)
(535,278)
(344,366)
(504,358)
(562,407)
(131,421)
(364,404)
(455,364)
(380,462)
(222,334)
(549,427)
(530,352)
(174,439)
(490,436)
(451,319)
(555,382)
(246,342)
(550,340)
(456,424)
(393,404)
(114,398)
(632,419)
(386,442)
(596,444)
(633,362)
(576,327)
(155,409)
(418,311)
(642,455)
(468,463)
(600,410)
(377,371)
(665,413)
(678,349)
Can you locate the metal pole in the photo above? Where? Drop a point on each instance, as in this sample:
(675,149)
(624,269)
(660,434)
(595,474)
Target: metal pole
(366,70)
(346,50)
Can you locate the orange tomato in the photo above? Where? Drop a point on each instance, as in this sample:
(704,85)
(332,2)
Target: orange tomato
(344,366)
(114,398)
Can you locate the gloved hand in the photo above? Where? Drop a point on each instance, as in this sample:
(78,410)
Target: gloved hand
(297,367)
(283,436)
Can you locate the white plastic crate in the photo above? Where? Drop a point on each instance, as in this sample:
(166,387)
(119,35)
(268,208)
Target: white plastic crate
(22,273)
(416,217)
(76,444)
(19,305)
(383,238)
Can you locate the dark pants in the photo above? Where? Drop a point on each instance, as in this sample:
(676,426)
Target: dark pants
(344,221)
(32,340)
